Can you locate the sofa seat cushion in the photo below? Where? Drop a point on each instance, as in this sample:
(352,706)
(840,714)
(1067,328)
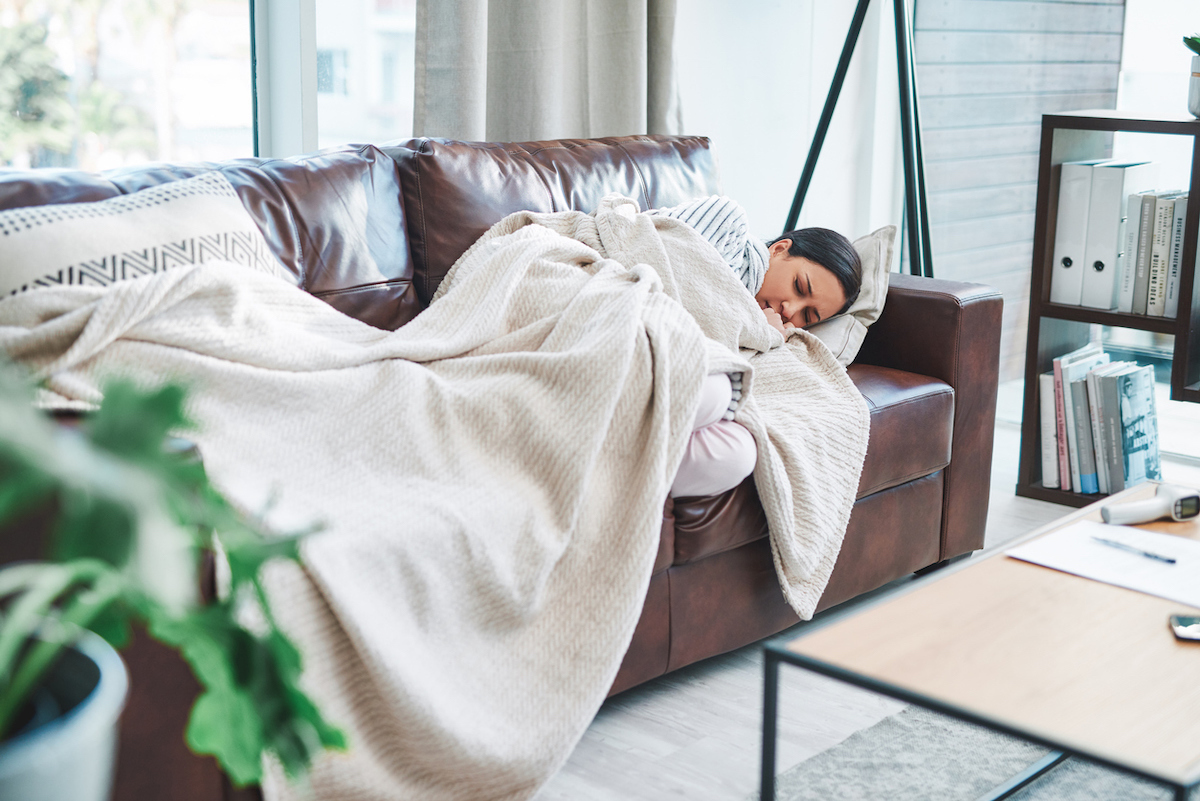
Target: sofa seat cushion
(912,423)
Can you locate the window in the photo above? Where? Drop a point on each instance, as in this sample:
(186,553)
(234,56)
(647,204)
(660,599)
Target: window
(104,85)
(365,94)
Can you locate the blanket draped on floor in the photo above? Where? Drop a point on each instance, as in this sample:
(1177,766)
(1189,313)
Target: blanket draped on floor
(491,476)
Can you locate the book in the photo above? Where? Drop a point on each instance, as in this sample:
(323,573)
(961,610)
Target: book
(1060,417)
(1139,425)
(1095,411)
(1112,183)
(1141,280)
(1049,430)
(1171,307)
(1110,413)
(1106,425)
(1070,231)
(1127,258)
(1084,449)
(1072,372)
(1160,253)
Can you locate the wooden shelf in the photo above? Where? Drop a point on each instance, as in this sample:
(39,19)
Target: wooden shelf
(1142,322)
(1054,328)
(1066,498)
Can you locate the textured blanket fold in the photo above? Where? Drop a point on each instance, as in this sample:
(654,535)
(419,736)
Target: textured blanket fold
(491,476)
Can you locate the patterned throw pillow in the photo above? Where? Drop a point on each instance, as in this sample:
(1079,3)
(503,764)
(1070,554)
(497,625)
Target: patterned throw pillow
(191,221)
(844,334)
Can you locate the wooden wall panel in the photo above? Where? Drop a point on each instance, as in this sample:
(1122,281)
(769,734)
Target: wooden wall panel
(987,70)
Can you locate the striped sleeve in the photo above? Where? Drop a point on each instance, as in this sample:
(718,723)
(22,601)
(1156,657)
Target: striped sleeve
(722,221)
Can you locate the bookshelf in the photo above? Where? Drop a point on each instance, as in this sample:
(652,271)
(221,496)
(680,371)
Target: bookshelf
(1055,328)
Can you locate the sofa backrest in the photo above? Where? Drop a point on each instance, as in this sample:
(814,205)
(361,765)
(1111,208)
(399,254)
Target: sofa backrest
(455,191)
(373,230)
(332,218)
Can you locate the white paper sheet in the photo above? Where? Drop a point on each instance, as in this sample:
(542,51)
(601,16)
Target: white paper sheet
(1073,549)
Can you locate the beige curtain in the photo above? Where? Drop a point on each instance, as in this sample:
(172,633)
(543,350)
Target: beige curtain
(519,70)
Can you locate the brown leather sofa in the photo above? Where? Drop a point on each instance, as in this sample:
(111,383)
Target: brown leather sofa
(372,230)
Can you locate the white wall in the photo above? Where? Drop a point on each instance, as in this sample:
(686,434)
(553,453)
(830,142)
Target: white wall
(753,78)
(1155,66)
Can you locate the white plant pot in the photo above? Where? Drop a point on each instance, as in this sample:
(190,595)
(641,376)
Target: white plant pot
(70,756)
(1194,88)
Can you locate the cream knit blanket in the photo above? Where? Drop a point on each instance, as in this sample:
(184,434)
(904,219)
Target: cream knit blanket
(491,476)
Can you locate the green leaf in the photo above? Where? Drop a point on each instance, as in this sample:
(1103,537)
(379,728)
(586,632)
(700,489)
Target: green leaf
(1193,43)
(92,527)
(113,625)
(134,424)
(225,724)
(21,487)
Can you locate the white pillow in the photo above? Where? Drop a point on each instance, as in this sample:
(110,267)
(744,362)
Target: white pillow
(191,221)
(844,334)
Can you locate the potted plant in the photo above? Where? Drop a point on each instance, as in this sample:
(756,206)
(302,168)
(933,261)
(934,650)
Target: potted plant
(1193,44)
(131,521)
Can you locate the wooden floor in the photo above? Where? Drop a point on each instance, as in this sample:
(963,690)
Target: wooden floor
(695,733)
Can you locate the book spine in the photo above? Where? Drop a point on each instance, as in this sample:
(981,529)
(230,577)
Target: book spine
(1093,403)
(1128,257)
(1171,308)
(1160,254)
(1110,412)
(1141,283)
(1060,422)
(1088,483)
(1049,430)
(1072,434)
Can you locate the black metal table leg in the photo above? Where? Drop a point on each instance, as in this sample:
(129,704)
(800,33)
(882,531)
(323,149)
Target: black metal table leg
(770,715)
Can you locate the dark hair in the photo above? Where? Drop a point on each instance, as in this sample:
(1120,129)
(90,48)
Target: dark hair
(832,251)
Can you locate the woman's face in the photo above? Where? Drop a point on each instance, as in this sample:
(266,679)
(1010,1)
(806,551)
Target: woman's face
(803,292)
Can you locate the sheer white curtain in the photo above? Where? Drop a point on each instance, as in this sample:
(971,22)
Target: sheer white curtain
(518,70)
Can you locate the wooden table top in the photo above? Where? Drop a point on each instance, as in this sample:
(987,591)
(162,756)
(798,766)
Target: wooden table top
(1087,665)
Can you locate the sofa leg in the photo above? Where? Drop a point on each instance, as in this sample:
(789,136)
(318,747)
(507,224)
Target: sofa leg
(944,563)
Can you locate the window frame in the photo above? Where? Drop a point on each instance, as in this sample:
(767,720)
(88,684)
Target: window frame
(283,63)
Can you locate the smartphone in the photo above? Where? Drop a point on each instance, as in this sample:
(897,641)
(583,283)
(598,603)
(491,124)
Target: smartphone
(1186,627)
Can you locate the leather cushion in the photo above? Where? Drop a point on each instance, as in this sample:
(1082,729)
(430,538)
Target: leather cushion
(455,191)
(911,426)
(912,423)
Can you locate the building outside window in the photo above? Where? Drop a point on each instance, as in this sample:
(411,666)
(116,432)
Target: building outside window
(331,72)
(377,45)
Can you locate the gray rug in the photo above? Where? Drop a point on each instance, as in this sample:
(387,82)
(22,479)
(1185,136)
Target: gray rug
(918,755)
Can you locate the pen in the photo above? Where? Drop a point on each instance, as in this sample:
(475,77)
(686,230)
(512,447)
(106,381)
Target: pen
(1131,549)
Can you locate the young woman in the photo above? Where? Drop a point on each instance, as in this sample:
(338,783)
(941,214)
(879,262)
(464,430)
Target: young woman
(798,280)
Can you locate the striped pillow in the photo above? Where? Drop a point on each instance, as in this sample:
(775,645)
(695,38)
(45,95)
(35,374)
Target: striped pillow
(190,221)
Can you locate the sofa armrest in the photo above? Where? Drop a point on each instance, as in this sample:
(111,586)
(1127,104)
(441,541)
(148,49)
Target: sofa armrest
(949,330)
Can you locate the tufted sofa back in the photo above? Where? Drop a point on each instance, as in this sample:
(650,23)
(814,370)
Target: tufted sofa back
(373,230)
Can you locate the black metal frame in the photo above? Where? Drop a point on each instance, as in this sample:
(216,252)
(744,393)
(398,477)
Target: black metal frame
(920,254)
(773,654)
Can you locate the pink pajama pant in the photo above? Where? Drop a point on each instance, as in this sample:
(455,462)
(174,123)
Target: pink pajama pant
(720,453)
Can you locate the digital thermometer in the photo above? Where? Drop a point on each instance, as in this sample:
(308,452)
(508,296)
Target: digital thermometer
(1176,503)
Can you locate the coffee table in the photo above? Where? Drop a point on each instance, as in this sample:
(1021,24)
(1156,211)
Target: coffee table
(1087,669)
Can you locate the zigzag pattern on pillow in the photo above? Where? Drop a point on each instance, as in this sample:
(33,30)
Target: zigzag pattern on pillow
(240,247)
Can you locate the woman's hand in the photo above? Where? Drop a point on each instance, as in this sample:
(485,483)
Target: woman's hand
(777,322)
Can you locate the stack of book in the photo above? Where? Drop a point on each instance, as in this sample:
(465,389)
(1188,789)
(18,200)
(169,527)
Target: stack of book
(1098,422)
(1118,244)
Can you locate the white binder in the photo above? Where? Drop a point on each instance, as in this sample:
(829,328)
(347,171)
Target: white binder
(1127,258)
(1112,183)
(1070,231)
